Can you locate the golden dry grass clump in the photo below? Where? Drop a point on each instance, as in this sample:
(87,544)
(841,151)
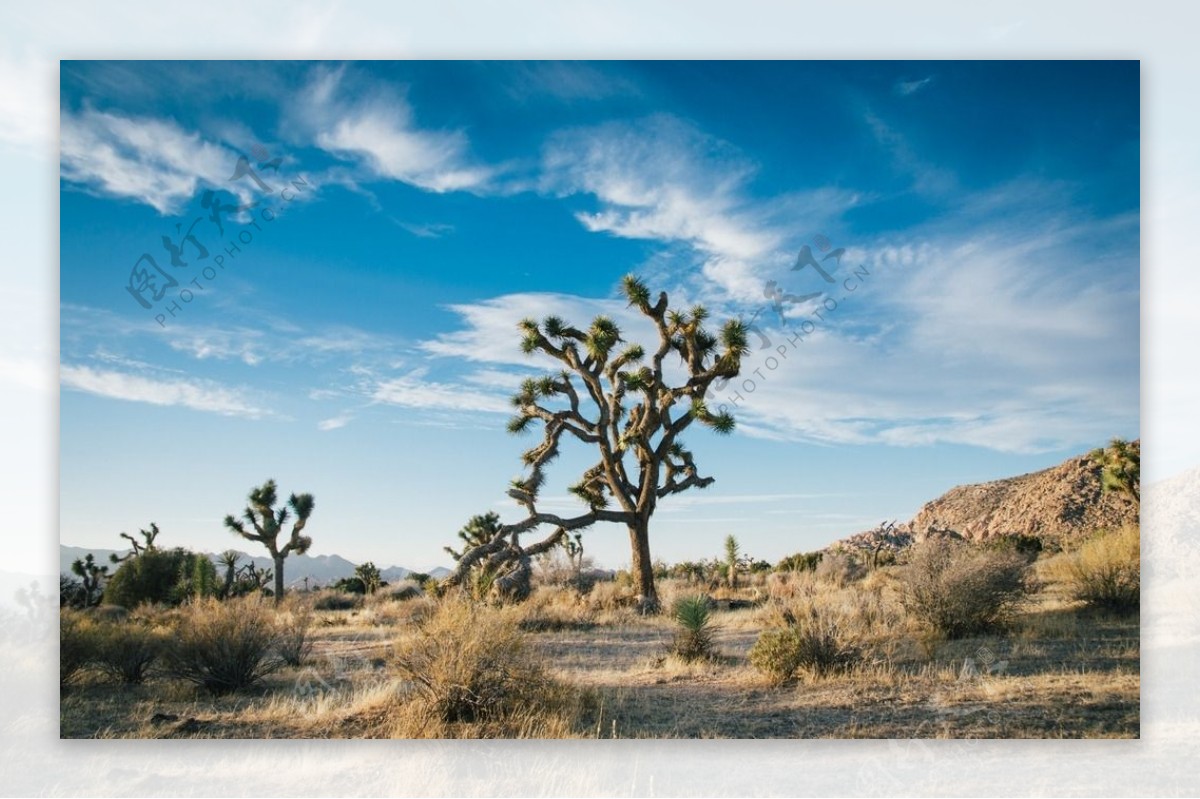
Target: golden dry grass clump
(1106,571)
(224,646)
(472,674)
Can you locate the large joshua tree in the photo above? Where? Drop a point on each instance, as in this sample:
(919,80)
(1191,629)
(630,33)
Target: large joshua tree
(630,410)
(266,523)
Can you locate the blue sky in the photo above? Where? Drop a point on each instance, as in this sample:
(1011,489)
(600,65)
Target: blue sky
(361,344)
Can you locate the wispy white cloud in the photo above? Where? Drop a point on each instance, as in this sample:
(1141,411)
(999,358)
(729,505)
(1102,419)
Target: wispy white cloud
(425,230)
(200,395)
(375,125)
(152,161)
(661,179)
(927,177)
(489,333)
(414,391)
(222,345)
(906,87)
(497,378)
(993,334)
(334,423)
(1000,338)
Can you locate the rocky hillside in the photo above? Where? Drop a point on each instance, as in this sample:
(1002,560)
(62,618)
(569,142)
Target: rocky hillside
(1062,503)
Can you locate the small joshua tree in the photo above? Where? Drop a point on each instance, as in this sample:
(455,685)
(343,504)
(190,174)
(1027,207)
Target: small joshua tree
(574,549)
(229,561)
(732,557)
(267,523)
(93,575)
(1120,467)
(368,573)
(631,411)
(137,547)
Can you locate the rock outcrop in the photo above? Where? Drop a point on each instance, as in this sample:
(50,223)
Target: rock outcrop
(1061,504)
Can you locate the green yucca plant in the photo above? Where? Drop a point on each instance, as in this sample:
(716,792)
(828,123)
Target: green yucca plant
(694,636)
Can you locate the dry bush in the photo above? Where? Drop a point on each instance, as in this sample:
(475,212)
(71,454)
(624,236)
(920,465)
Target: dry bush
(839,568)
(957,589)
(329,599)
(400,592)
(76,643)
(224,646)
(293,621)
(819,642)
(553,608)
(469,665)
(125,652)
(1106,571)
(391,613)
(609,596)
(788,585)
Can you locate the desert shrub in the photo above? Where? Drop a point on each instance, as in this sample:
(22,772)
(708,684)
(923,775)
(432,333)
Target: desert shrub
(71,593)
(556,608)
(1029,546)
(126,652)
(337,600)
(350,585)
(801,561)
(224,646)
(776,653)
(401,592)
(839,568)
(610,595)
(167,576)
(818,642)
(1106,571)
(292,624)
(76,643)
(694,629)
(469,663)
(957,589)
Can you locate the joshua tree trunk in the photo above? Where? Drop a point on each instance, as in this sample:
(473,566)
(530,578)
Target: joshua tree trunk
(278,558)
(642,568)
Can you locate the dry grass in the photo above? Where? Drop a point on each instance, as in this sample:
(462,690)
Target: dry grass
(600,670)
(1106,571)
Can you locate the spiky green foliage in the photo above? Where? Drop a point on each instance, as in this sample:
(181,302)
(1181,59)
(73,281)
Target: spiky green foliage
(368,573)
(1120,467)
(92,575)
(228,560)
(694,635)
(732,559)
(266,523)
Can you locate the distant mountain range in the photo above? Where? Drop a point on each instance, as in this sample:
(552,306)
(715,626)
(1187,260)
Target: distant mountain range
(320,570)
